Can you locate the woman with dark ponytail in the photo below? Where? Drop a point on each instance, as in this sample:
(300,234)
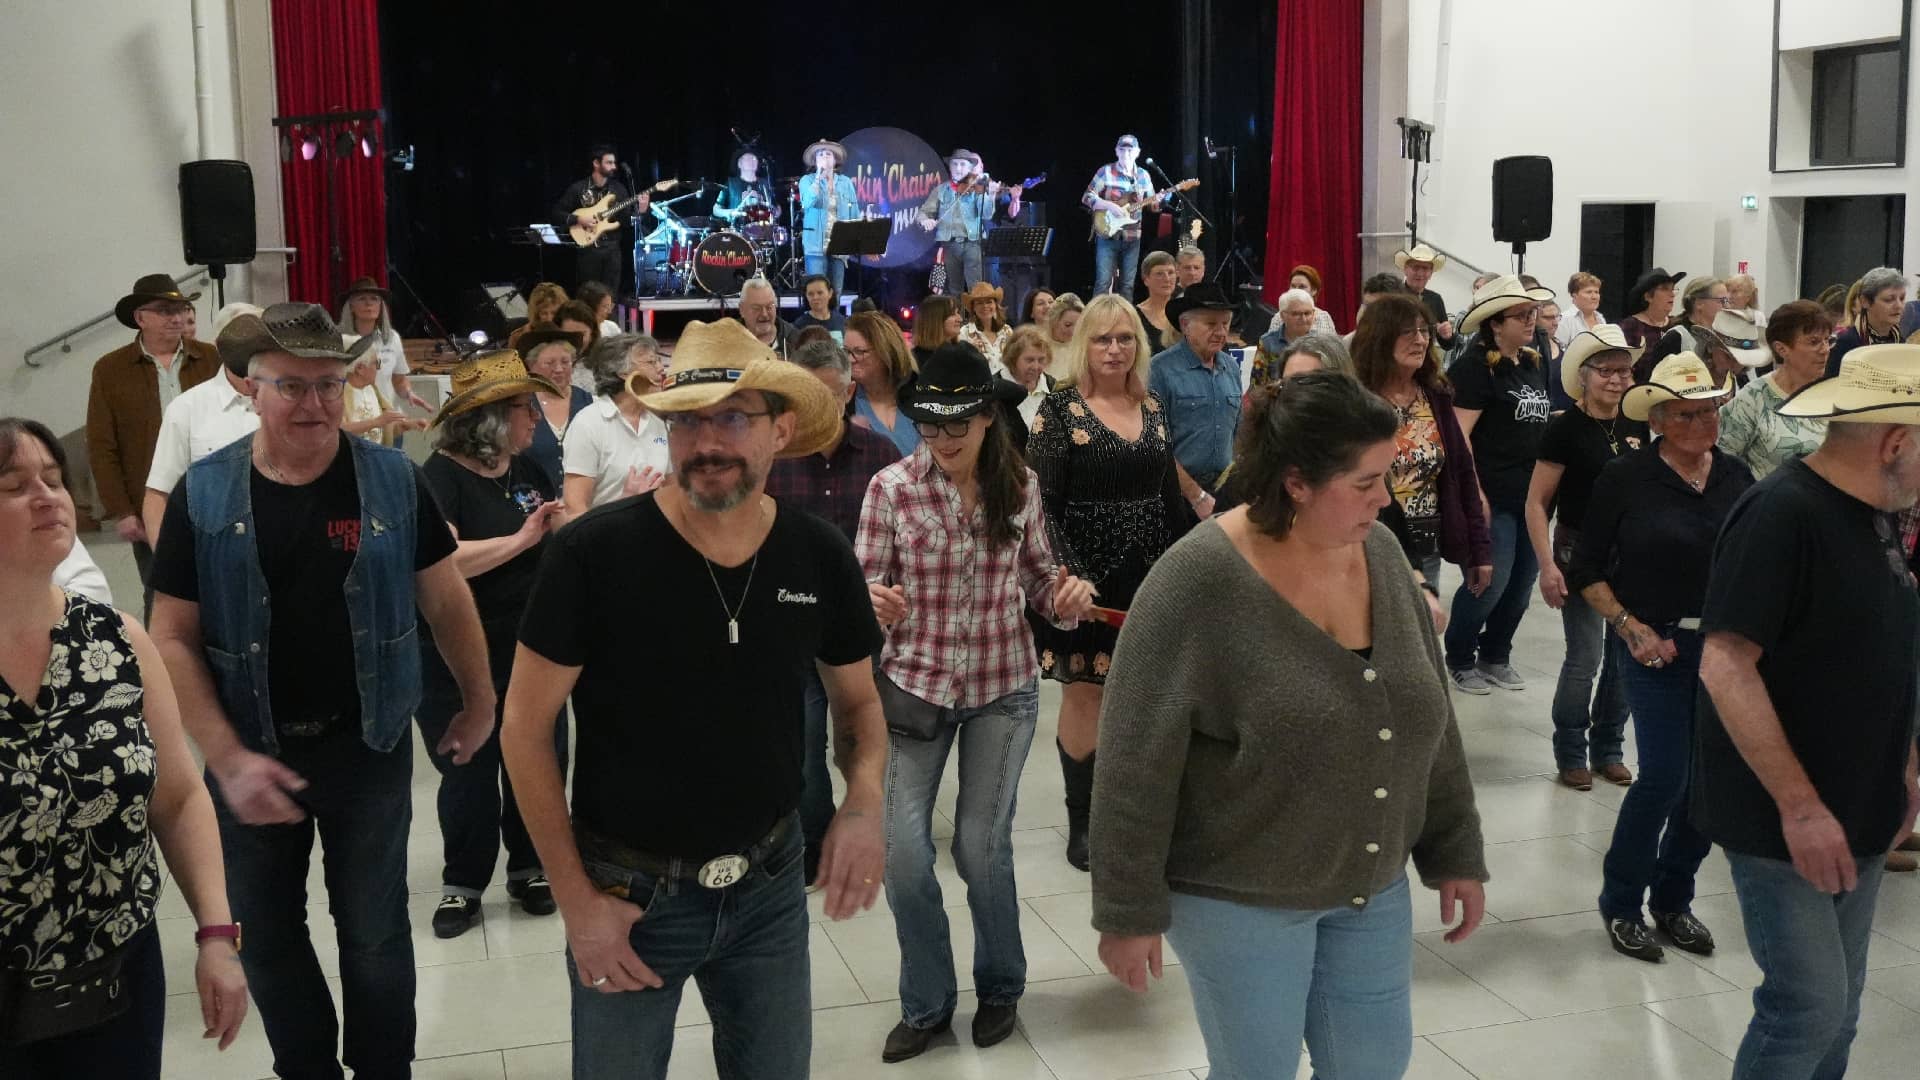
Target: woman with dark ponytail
(954,547)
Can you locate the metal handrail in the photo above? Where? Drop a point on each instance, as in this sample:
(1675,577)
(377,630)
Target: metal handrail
(1436,247)
(65,339)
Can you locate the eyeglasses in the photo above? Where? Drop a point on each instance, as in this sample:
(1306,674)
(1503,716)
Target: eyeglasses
(296,389)
(1417,332)
(1610,372)
(859,354)
(1715,299)
(732,424)
(953,429)
(1108,341)
(1699,416)
(169,311)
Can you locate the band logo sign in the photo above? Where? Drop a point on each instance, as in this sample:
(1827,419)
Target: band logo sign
(893,171)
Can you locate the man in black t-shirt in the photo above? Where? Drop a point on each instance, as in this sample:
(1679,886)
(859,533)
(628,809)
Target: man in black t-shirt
(293,568)
(1805,762)
(684,622)
(602,261)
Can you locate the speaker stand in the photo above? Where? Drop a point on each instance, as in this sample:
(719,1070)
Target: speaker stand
(218,272)
(1519,257)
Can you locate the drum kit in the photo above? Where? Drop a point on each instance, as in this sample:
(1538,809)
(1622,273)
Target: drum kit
(711,253)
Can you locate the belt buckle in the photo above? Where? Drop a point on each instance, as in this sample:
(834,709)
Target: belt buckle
(722,872)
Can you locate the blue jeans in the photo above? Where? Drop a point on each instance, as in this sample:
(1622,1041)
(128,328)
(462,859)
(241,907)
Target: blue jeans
(816,796)
(1576,708)
(744,946)
(963,265)
(1656,850)
(1263,977)
(1487,622)
(833,266)
(1812,952)
(1109,254)
(360,802)
(994,739)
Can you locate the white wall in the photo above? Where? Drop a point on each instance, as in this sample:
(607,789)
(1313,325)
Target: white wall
(1620,101)
(101,113)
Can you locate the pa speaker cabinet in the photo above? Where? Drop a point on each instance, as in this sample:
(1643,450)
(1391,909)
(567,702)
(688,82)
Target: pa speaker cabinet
(1522,199)
(216,212)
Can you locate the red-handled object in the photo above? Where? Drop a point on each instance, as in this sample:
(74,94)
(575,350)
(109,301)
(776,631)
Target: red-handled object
(1111,616)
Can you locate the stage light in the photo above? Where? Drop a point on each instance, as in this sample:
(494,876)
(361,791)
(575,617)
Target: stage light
(366,145)
(309,148)
(478,337)
(906,314)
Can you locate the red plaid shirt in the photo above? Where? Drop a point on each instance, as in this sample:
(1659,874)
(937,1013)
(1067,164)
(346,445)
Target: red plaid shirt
(964,641)
(833,486)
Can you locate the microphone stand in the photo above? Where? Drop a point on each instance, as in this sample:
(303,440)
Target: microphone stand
(444,341)
(1234,254)
(633,249)
(1191,206)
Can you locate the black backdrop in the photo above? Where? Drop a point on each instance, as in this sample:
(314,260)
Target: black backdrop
(500,103)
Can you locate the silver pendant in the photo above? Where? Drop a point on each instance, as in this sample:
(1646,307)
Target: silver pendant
(733,631)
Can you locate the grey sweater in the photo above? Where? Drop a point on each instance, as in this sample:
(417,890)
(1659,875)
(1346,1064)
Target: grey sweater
(1245,755)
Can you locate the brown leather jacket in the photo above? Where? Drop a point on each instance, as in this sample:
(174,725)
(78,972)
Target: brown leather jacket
(123,419)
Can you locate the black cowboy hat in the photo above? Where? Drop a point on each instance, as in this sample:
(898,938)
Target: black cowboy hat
(533,337)
(1652,279)
(1202,297)
(366,286)
(955,382)
(149,288)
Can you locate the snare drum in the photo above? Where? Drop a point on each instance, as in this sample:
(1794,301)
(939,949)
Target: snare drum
(723,263)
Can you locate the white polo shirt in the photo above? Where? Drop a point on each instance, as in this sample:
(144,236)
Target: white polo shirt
(198,422)
(601,444)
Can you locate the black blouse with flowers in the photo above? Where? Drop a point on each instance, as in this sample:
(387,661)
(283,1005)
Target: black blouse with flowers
(77,871)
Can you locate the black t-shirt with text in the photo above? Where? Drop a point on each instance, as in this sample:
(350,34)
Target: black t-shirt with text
(484,508)
(1817,579)
(1513,405)
(307,538)
(1582,446)
(689,745)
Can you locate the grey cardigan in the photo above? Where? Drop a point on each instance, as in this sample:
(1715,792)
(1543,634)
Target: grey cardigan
(1247,756)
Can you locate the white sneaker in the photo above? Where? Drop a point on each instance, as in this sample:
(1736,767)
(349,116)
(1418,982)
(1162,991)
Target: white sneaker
(1470,681)
(1501,675)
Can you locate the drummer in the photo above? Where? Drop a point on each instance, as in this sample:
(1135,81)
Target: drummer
(826,197)
(746,189)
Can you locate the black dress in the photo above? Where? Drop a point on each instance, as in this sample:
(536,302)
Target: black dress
(1112,508)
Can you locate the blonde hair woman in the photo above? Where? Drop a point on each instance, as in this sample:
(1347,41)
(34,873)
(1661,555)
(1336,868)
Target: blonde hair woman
(1062,317)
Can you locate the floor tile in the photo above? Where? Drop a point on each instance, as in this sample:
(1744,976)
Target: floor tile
(178,952)
(872,951)
(1553,875)
(1095,1029)
(1445,999)
(1070,915)
(1604,1045)
(1530,808)
(492,1005)
(487,1066)
(1885,1048)
(1506,751)
(1733,961)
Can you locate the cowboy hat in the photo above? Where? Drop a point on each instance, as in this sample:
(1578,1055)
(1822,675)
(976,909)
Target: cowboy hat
(838,150)
(712,361)
(1652,279)
(1498,295)
(1586,345)
(1877,384)
(304,330)
(1681,377)
(963,155)
(366,286)
(1419,253)
(1202,297)
(149,288)
(540,334)
(486,378)
(982,290)
(954,382)
(1745,340)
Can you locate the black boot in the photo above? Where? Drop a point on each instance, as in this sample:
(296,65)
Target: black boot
(1079,778)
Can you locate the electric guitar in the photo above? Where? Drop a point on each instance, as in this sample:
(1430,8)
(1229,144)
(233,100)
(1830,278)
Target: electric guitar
(597,220)
(1109,223)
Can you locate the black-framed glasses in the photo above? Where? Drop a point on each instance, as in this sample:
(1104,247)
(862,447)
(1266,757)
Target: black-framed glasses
(733,424)
(1625,372)
(953,429)
(296,389)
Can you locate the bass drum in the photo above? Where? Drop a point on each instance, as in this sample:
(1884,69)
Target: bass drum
(723,262)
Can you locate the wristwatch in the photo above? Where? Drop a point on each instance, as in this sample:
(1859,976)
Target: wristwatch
(224,930)
(1619,622)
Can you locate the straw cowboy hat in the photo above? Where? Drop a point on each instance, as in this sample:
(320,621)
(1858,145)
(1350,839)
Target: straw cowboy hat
(489,377)
(1877,384)
(1586,345)
(304,330)
(1743,338)
(982,290)
(149,288)
(712,361)
(955,382)
(1497,296)
(1419,253)
(1681,377)
(838,150)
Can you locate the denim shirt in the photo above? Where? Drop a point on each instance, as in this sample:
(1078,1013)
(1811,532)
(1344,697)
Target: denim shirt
(1203,407)
(236,610)
(813,227)
(965,221)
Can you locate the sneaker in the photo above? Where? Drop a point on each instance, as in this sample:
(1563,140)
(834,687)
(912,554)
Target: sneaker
(1470,681)
(1501,675)
(1686,932)
(455,916)
(1629,937)
(536,896)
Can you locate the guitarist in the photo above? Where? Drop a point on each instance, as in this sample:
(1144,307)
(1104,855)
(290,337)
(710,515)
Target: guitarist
(602,261)
(1117,187)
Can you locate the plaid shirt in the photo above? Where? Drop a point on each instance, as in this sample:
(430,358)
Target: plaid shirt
(964,641)
(1115,186)
(833,486)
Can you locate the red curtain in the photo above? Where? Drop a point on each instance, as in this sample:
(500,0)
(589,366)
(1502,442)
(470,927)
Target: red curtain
(1313,213)
(326,58)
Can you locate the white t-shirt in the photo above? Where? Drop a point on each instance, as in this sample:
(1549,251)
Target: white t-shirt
(365,403)
(198,422)
(393,358)
(601,444)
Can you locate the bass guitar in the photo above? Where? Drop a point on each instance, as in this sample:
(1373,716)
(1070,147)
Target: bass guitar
(1110,223)
(594,221)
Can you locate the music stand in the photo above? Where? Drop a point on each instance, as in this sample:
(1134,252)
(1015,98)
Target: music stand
(859,238)
(1017,241)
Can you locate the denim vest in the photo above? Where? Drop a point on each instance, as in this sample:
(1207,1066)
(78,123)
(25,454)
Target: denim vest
(236,610)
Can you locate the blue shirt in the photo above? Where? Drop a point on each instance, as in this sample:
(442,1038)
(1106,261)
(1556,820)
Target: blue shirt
(1203,407)
(904,435)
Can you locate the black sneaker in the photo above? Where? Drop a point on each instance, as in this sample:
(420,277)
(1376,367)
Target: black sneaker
(1630,938)
(905,1042)
(455,916)
(1686,932)
(535,895)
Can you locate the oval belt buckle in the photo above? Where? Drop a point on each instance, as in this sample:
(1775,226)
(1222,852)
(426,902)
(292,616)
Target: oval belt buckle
(722,872)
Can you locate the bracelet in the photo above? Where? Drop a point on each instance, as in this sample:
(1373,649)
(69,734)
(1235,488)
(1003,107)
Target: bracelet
(230,931)
(1619,622)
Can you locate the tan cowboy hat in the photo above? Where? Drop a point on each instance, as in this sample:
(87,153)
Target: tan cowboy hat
(486,378)
(983,291)
(713,360)
(1498,295)
(838,150)
(1419,253)
(304,330)
(149,288)
(366,286)
(1877,384)
(1681,377)
(1743,338)
(1586,345)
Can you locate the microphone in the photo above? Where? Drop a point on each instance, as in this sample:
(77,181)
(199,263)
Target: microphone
(1146,161)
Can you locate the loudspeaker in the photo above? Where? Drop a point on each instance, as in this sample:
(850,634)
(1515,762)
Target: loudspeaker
(216,212)
(1522,199)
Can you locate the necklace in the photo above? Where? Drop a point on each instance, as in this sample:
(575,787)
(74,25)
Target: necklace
(1612,429)
(733,615)
(1697,483)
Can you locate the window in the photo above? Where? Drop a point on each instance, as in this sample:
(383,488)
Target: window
(1859,112)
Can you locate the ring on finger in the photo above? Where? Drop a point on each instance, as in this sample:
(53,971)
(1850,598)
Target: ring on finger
(601,981)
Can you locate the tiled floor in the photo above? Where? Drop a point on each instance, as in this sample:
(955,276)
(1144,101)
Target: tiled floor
(1535,994)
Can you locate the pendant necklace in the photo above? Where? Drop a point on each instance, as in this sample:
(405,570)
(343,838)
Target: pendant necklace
(733,616)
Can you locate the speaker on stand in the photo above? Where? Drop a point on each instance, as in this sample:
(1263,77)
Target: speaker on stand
(1522,203)
(216,218)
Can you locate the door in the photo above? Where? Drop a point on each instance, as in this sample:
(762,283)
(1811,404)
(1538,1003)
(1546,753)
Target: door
(1616,243)
(1846,236)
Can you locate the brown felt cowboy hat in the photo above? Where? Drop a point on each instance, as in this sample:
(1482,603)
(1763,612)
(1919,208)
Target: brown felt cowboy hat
(838,151)
(148,289)
(1877,384)
(489,377)
(366,286)
(304,330)
(712,361)
(963,155)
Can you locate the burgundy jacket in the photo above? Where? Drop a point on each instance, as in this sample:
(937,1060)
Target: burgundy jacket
(1464,540)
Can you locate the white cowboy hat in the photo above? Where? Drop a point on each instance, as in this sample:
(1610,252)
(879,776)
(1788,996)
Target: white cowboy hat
(1586,345)
(1743,338)
(1497,296)
(1877,384)
(1419,253)
(1681,377)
